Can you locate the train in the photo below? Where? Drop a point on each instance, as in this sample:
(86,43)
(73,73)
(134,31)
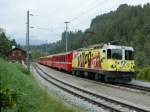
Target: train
(109,62)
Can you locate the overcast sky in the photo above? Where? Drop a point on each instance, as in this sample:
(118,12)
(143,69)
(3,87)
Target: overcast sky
(50,15)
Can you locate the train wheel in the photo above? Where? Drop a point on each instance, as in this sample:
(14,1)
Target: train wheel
(86,74)
(96,76)
(73,72)
(103,78)
(77,73)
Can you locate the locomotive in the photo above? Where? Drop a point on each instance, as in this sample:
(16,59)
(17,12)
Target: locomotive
(109,62)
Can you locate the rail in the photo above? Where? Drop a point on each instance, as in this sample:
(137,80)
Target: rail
(102,101)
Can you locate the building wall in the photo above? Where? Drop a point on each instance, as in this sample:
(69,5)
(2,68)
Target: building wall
(17,55)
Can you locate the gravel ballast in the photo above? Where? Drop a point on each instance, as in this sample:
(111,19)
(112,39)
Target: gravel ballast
(66,97)
(134,98)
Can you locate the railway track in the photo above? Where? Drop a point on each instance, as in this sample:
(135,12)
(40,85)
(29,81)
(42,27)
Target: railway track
(96,99)
(136,87)
(123,86)
(129,87)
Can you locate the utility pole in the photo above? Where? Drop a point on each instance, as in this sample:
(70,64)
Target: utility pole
(66,42)
(66,35)
(28,49)
(46,47)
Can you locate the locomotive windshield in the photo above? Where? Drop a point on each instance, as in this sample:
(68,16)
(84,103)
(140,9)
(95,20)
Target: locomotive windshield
(129,55)
(117,54)
(114,54)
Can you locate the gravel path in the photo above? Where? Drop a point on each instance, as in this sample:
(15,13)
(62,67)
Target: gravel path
(120,94)
(65,97)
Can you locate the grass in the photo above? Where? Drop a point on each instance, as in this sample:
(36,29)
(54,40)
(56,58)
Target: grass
(143,74)
(21,93)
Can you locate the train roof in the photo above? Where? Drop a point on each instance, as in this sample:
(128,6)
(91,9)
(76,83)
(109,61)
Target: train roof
(118,47)
(58,54)
(111,45)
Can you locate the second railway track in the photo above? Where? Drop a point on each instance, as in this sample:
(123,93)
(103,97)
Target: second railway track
(123,86)
(136,87)
(96,99)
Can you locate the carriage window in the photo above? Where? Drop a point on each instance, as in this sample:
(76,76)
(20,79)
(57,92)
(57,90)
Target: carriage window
(64,58)
(129,55)
(61,58)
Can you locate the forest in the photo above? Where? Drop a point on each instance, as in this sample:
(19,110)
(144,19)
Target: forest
(130,24)
(5,44)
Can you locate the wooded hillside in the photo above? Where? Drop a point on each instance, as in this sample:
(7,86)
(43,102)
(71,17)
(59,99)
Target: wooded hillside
(130,24)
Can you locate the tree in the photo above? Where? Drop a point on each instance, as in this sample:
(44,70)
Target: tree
(5,44)
(129,24)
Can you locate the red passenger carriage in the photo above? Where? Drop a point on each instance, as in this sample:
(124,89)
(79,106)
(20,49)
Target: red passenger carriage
(62,61)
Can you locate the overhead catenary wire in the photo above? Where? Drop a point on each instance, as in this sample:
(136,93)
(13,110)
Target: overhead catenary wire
(82,14)
(61,26)
(91,9)
(99,4)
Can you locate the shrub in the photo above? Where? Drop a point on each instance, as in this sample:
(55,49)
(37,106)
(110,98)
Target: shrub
(9,97)
(21,93)
(143,74)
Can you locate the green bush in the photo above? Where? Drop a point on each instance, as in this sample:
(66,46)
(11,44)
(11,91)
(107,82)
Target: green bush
(143,74)
(21,93)
(9,97)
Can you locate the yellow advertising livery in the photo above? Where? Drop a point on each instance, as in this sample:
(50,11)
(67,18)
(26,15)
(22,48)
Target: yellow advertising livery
(108,62)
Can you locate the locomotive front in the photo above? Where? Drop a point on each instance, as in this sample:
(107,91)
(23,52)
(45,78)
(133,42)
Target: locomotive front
(107,62)
(119,63)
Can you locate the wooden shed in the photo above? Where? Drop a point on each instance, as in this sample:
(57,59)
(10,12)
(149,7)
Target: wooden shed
(17,55)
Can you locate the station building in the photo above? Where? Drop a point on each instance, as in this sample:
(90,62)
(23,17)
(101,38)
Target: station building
(17,55)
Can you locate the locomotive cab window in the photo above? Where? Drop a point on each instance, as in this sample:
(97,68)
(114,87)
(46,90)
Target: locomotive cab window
(114,54)
(108,53)
(129,55)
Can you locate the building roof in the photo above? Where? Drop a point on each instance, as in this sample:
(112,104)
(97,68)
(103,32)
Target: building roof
(16,49)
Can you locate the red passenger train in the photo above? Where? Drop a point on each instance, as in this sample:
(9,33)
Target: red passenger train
(62,61)
(107,62)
